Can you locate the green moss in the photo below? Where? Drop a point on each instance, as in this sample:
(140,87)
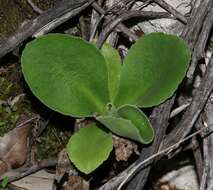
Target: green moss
(52,141)
(12,101)
(10,17)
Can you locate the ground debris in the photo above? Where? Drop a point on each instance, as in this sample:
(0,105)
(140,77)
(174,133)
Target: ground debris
(124,148)
(14,147)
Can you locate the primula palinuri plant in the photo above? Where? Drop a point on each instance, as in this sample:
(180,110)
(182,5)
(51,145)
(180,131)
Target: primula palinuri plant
(74,78)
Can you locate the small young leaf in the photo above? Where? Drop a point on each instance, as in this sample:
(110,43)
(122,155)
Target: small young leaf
(4,182)
(121,127)
(139,119)
(67,74)
(113,61)
(89,147)
(129,122)
(152,70)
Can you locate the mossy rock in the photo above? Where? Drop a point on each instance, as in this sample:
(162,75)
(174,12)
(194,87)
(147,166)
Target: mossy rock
(14,13)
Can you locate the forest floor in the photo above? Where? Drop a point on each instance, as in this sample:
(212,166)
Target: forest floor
(33,138)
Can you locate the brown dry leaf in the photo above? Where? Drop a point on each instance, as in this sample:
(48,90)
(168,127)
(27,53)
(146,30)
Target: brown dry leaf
(76,183)
(3,167)
(14,147)
(64,166)
(167,186)
(124,148)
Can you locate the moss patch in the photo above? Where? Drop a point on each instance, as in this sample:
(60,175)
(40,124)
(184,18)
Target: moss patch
(12,99)
(52,141)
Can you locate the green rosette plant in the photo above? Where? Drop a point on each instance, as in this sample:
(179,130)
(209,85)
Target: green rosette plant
(74,78)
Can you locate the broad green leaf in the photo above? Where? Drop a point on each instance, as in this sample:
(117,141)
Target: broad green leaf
(129,122)
(67,74)
(113,61)
(152,70)
(89,147)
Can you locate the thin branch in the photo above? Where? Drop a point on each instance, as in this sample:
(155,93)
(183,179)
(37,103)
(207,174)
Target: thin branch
(95,27)
(178,110)
(199,49)
(194,25)
(194,110)
(120,26)
(207,150)
(83,28)
(145,15)
(171,10)
(28,121)
(196,149)
(19,173)
(35,7)
(60,20)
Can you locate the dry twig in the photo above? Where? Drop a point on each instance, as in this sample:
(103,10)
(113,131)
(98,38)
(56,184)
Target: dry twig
(24,171)
(171,10)
(144,15)
(34,7)
(120,26)
(194,110)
